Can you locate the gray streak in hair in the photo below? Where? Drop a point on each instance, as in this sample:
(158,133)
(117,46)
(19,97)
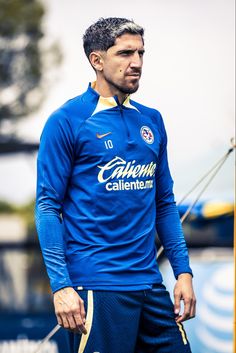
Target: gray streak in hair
(102,34)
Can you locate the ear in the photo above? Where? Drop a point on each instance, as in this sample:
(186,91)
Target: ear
(96,61)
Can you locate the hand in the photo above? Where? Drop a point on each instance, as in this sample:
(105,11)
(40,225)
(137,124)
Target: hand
(184,291)
(69,309)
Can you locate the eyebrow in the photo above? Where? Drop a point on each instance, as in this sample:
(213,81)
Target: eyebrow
(130,51)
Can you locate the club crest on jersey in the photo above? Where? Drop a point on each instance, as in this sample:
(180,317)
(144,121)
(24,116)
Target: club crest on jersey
(147,134)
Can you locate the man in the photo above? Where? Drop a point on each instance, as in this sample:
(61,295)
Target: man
(104,189)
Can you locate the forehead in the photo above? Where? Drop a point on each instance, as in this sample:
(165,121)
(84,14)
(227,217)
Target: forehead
(128,41)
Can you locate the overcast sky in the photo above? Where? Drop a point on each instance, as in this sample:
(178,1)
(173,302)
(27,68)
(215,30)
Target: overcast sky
(188,76)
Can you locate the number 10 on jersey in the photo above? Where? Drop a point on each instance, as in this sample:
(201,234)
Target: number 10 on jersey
(108,144)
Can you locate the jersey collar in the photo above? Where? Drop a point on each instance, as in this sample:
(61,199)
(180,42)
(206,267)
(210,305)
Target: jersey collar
(109,102)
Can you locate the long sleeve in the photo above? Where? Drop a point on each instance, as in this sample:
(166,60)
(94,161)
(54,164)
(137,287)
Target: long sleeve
(168,224)
(53,172)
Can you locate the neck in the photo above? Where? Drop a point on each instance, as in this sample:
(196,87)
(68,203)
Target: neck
(104,89)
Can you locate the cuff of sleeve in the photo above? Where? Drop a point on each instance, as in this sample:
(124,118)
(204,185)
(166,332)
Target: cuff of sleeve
(59,285)
(179,271)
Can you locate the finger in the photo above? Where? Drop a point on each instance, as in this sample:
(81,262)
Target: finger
(79,323)
(59,320)
(79,316)
(177,303)
(71,322)
(187,309)
(178,319)
(193,308)
(82,311)
(64,321)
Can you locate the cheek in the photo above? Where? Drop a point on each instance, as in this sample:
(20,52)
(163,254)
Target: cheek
(114,71)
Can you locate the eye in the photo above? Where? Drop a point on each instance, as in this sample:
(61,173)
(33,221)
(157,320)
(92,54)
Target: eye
(141,53)
(130,52)
(126,52)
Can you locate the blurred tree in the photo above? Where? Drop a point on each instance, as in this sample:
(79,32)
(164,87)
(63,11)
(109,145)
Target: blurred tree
(26,211)
(21,58)
(6,207)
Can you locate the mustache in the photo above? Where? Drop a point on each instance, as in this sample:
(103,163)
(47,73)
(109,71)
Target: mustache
(135,71)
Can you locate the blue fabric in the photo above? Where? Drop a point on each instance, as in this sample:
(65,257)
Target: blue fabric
(132,322)
(103,189)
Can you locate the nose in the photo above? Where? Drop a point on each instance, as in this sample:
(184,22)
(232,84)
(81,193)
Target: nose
(137,61)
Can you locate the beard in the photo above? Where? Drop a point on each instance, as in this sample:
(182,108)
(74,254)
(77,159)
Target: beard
(123,88)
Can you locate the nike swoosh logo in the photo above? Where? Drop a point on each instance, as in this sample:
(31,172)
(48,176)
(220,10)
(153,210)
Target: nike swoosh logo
(103,135)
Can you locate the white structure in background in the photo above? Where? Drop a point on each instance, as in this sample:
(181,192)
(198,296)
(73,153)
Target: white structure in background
(211,331)
(12,273)
(215,314)
(26,346)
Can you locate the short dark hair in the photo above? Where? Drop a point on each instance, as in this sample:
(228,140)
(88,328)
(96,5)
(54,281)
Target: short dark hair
(102,34)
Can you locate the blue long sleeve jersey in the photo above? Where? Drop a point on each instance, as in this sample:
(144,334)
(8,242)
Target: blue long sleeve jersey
(103,189)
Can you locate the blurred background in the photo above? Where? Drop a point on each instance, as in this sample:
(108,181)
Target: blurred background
(189,76)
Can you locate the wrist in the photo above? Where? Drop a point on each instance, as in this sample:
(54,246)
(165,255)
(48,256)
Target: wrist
(63,289)
(185,275)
